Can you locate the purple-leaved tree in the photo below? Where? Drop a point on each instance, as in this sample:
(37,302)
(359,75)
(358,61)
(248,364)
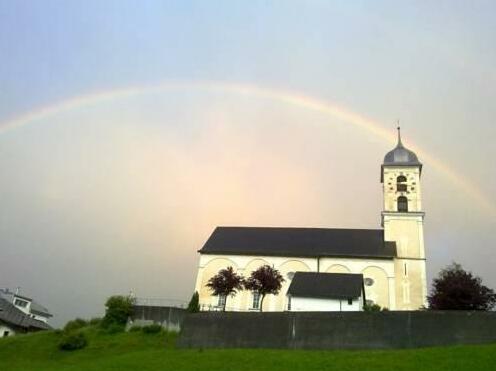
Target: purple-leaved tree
(225,283)
(265,280)
(456,289)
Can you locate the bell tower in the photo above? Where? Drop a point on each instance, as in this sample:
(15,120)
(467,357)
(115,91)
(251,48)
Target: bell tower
(403,222)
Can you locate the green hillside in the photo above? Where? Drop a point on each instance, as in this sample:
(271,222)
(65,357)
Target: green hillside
(138,351)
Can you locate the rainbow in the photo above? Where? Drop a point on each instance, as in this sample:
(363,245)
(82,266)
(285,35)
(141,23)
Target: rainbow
(284,96)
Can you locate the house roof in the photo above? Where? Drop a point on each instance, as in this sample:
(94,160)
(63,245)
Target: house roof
(326,285)
(12,315)
(299,242)
(39,309)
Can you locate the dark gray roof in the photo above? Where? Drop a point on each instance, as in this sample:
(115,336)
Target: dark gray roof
(401,156)
(39,309)
(299,242)
(326,285)
(13,316)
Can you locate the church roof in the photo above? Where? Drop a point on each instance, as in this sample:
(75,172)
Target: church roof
(300,242)
(326,285)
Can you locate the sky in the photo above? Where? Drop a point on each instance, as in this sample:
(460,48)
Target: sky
(130,129)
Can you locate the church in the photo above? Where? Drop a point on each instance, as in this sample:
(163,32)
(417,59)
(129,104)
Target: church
(389,261)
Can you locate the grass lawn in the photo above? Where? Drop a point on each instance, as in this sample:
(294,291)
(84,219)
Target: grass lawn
(138,351)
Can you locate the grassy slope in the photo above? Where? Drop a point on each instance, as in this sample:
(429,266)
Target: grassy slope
(137,351)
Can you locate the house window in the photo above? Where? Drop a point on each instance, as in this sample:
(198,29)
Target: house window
(222,301)
(402,204)
(350,301)
(5,333)
(401,183)
(21,303)
(256,300)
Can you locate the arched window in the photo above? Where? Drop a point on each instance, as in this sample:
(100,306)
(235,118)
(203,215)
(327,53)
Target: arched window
(402,204)
(401,183)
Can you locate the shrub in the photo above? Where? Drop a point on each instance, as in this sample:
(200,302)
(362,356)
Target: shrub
(75,324)
(151,329)
(194,303)
(118,310)
(73,341)
(372,308)
(95,321)
(135,328)
(114,328)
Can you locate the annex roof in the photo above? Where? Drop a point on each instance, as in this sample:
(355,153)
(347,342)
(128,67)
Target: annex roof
(299,242)
(326,285)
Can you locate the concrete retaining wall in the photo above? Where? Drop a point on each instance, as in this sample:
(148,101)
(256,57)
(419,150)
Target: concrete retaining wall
(170,318)
(336,330)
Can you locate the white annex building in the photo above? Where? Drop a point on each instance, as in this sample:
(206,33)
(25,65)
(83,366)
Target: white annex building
(391,260)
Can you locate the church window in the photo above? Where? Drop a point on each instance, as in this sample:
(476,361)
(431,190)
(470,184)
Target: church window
(256,300)
(401,183)
(289,302)
(402,204)
(222,301)
(368,281)
(405,270)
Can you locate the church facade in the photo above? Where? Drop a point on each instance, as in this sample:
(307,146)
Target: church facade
(391,259)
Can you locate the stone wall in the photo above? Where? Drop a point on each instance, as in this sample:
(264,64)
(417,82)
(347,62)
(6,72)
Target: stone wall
(336,330)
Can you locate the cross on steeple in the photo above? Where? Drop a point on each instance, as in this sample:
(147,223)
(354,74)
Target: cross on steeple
(399,133)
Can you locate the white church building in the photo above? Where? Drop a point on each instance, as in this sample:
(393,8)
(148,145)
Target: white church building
(390,261)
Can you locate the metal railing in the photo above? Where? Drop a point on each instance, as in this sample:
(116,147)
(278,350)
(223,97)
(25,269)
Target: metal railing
(160,302)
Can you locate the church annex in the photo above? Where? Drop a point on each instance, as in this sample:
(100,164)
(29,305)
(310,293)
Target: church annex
(391,259)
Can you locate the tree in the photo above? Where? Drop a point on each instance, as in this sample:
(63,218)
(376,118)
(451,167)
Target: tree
(194,303)
(118,310)
(225,283)
(265,280)
(456,289)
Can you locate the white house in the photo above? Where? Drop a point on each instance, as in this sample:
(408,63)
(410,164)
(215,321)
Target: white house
(391,258)
(20,314)
(326,292)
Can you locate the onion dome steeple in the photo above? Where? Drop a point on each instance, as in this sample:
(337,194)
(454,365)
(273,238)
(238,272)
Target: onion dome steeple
(401,156)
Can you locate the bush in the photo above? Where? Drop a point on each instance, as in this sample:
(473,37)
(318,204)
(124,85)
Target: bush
(73,341)
(75,324)
(372,308)
(118,310)
(135,328)
(95,321)
(151,329)
(114,328)
(194,303)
